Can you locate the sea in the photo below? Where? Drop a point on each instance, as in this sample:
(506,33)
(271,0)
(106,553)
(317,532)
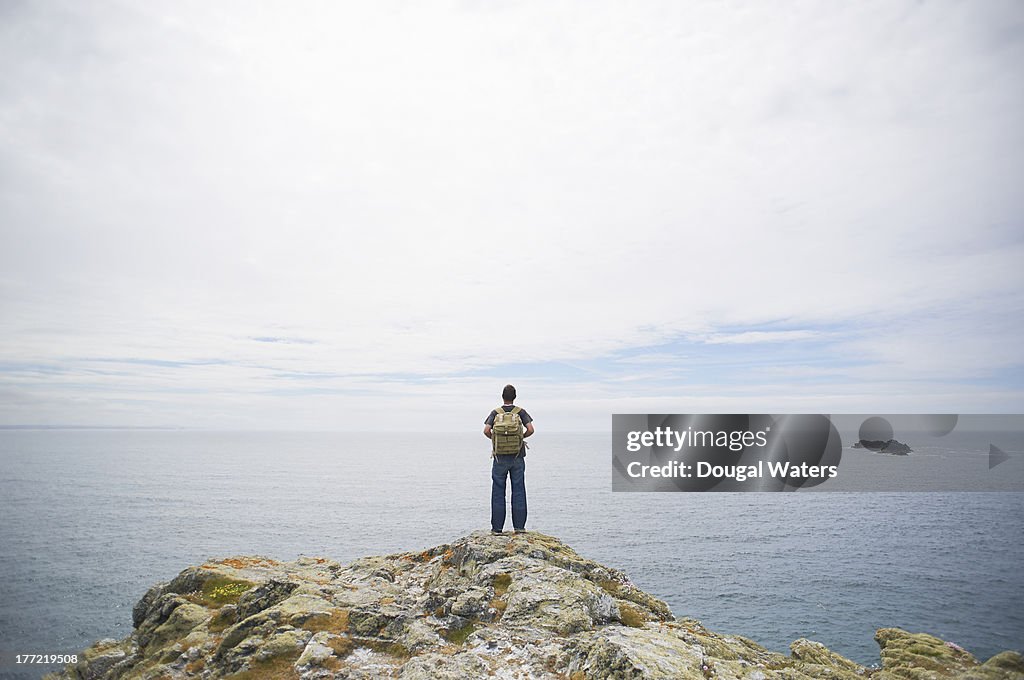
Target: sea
(90,519)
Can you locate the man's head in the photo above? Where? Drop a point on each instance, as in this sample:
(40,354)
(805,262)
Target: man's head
(509,393)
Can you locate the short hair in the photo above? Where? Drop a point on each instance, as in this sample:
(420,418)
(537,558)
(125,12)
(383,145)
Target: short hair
(509,393)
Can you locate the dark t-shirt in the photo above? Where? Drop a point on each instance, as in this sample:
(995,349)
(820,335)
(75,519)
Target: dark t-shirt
(523,416)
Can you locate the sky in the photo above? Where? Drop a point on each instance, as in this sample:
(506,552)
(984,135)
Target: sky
(371,216)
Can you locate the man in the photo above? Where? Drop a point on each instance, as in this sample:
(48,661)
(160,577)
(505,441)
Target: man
(511,465)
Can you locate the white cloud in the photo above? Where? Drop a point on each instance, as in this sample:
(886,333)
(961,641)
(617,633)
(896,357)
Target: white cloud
(433,189)
(754,337)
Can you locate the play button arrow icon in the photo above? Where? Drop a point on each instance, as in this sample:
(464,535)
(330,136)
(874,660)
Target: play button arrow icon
(995,456)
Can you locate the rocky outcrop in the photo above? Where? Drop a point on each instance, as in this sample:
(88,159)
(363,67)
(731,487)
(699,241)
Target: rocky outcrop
(506,606)
(889,446)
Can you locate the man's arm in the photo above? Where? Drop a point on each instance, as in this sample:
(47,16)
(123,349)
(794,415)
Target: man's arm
(529,430)
(487,423)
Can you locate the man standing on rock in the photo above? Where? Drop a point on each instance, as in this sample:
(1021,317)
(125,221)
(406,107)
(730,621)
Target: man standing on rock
(504,426)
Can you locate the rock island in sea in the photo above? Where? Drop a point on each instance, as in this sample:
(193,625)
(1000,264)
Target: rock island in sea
(888,446)
(484,606)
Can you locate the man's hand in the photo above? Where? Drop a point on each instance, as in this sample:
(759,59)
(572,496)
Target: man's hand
(529,431)
(487,431)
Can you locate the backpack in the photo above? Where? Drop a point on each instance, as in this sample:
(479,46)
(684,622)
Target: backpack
(507,432)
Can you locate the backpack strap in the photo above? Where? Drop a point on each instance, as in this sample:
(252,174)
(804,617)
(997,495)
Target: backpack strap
(516,410)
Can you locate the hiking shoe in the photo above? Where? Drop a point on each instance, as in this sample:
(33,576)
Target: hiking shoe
(496,532)
(520,531)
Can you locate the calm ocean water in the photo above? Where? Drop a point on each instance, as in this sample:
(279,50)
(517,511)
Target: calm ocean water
(91,519)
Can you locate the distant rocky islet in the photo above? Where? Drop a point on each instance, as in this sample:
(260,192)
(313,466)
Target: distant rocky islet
(892,446)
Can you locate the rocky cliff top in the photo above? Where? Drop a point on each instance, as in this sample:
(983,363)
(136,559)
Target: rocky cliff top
(507,606)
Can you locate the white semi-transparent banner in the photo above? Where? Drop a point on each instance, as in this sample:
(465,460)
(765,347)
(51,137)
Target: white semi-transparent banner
(848,452)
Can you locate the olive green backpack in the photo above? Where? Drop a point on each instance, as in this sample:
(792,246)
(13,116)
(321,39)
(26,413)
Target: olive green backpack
(507,432)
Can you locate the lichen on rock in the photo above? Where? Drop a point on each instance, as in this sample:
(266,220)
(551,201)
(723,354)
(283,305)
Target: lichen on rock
(522,606)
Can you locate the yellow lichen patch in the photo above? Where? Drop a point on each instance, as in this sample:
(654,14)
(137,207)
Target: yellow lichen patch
(499,606)
(501,583)
(195,666)
(609,586)
(458,635)
(222,618)
(551,543)
(275,668)
(342,646)
(578,675)
(246,562)
(387,600)
(335,621)
(631,617)
(395,649)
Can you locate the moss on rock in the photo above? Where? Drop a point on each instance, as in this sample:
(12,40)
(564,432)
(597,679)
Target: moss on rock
(223,590)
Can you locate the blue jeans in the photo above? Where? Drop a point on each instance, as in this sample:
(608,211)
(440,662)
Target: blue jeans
(515,468)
